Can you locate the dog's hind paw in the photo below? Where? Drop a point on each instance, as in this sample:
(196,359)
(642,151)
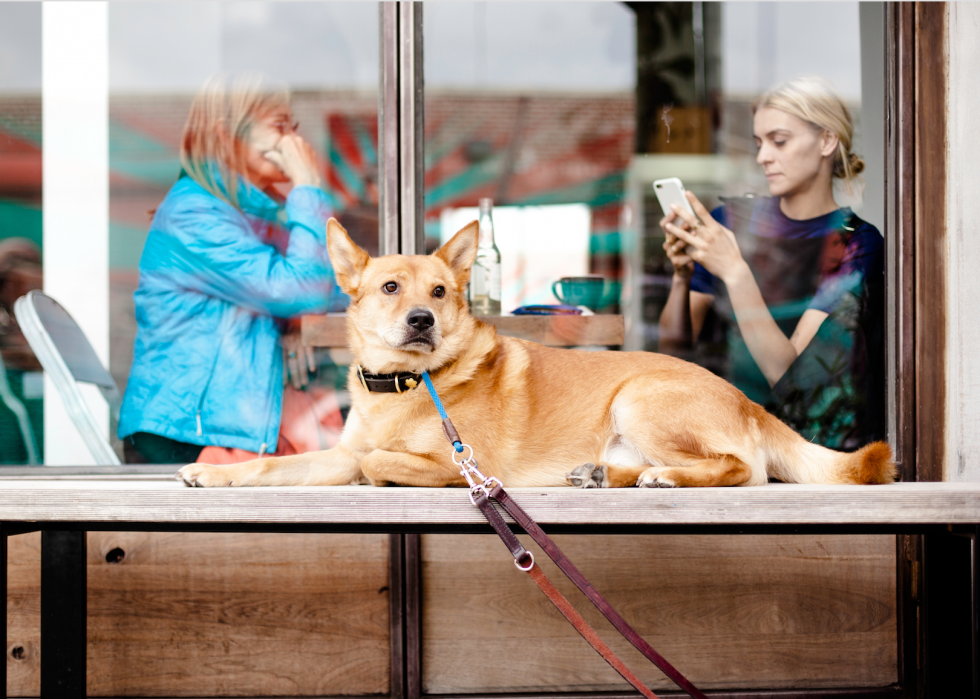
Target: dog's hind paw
(654,478)
(587,476)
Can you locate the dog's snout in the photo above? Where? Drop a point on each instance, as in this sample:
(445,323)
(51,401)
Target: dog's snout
(421,319)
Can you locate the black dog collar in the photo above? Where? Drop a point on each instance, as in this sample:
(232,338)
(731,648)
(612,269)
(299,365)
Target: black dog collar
(388,383)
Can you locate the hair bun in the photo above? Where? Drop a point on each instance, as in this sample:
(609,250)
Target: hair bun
(856,162)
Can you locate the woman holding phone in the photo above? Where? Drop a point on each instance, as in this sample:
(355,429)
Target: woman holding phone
(228,264)
(795,281)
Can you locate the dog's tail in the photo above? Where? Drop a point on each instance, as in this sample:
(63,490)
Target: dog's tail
(792,459)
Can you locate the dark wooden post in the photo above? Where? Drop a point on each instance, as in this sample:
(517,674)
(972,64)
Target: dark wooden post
(975,609)
(64,593)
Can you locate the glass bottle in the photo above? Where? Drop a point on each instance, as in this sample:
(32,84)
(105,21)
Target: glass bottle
(485,275)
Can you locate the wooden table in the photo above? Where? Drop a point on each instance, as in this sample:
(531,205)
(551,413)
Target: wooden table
(65,506)
(557,331)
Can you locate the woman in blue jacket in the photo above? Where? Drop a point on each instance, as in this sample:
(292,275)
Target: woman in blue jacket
(226,263)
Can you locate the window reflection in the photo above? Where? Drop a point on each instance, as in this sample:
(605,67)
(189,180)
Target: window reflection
(793,281)
(618,96)
(532,105)
(21,384)
(236,129)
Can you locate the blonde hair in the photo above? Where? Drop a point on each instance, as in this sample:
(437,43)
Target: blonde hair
(814,100)
(217,127)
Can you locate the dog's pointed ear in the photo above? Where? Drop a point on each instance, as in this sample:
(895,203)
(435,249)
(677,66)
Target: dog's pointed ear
(347,258)
(460,252)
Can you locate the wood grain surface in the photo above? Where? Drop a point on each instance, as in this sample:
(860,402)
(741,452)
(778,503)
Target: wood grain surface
(166,501)
(217,614)
(556,331)
(733,612)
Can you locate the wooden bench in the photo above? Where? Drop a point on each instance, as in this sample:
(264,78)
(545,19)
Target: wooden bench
(65,506)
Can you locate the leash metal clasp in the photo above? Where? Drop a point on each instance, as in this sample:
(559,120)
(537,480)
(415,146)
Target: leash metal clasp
(469,469)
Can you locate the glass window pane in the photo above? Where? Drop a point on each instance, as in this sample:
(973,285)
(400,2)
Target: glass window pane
(21,383)
(566,130)
(247,256)
(566,114)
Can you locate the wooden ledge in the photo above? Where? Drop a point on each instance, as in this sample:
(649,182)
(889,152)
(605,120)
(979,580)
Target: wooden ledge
(160,500)
(555,331)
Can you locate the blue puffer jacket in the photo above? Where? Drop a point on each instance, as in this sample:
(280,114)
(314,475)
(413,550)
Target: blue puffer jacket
(207,361)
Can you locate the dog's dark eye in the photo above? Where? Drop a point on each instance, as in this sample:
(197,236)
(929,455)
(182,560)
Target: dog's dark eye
(390,287)
(439,292)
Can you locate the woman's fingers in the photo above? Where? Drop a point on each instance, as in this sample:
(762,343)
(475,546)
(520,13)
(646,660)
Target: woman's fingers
(298,160)
(298,359)
(275,157)
(688,237)
(690,220)
(673,219)
(699,209)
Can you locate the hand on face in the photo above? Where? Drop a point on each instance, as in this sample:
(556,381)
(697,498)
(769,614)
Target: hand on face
(714,246)
(277,154)
(296,159)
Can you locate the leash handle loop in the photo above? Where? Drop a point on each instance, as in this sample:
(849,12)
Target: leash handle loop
(568,568)
(524,560)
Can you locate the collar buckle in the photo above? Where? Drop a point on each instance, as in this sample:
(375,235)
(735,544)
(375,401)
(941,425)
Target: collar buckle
(398,382)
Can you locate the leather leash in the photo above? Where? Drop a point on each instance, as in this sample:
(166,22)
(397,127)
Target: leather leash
(483,491)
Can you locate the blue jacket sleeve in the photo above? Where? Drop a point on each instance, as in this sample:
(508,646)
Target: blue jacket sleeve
(208,246)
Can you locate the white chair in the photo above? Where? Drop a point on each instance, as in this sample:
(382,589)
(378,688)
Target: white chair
(68,359)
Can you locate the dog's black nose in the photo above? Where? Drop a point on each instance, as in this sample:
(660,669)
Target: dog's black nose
(421,319)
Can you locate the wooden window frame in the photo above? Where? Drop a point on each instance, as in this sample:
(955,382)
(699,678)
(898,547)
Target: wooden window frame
(915,229)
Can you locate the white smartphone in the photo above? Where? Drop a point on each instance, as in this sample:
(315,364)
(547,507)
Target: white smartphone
(671,191)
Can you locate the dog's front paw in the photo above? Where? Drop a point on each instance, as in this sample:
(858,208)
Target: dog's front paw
(204,476)
(655,477)
(587,476)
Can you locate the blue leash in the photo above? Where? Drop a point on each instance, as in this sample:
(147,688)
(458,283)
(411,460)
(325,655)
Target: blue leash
(457,444)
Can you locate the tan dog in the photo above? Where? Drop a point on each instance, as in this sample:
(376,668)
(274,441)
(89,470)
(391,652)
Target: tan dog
(534,415)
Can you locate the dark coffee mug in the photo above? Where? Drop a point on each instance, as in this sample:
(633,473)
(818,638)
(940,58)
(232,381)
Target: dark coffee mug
(579,291)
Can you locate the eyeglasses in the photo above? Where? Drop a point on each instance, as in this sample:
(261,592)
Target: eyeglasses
(284,126)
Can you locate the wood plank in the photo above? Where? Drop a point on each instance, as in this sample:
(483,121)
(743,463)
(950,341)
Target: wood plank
(931,246)
(734,612)
(23,646)
(166,501)
(219,614)
(556,331)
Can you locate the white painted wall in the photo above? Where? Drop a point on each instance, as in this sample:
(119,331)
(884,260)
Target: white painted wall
(963,251)
(75,158)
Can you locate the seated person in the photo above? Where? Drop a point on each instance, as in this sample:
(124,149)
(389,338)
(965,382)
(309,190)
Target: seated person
(226,265)
(20,272)
(794,282)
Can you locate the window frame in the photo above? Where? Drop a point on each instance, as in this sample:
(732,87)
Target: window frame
(915,221)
